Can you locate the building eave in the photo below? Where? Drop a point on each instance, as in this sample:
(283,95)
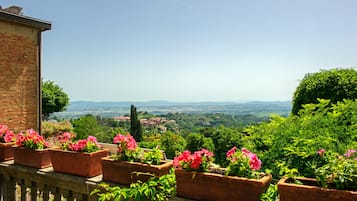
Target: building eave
(25,20)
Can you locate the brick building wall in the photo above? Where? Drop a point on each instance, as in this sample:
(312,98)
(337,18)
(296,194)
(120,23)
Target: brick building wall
(20,75)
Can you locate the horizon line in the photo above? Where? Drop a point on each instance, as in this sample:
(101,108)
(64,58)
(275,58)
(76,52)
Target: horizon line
(188,101)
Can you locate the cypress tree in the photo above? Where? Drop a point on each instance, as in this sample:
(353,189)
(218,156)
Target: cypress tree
(135,126)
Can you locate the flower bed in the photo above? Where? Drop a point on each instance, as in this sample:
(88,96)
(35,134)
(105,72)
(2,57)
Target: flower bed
(131,163)
(81,158)
(7,140)
(31,150)
(240,181)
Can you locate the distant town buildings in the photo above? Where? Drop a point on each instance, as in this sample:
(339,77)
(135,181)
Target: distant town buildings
(161,123)
(121,118)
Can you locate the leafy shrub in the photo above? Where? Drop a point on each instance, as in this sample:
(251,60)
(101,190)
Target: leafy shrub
(335,85)
(292,142)
(128,150)
(172,144)
(224,139)
(340,172)
(243,163)
(196,141)
(271,194)
(49,128)
(155,189)
(150,141)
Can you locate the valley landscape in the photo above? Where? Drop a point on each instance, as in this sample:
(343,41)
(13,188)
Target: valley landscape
(111,109)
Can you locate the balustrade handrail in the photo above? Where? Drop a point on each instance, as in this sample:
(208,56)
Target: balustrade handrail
(30,184)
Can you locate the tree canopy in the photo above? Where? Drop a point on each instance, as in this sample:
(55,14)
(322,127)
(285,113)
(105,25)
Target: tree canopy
(136,129)
(54,99)
(335,85)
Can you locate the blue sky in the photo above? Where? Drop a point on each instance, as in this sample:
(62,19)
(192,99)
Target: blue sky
(191,50)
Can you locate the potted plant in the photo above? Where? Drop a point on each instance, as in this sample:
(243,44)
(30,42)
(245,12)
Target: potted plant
(132,163)
(81,158)
(31,150)
(7,140)
(240,181)
(335,180)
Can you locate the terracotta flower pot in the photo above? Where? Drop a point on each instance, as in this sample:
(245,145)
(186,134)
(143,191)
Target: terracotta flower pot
(32,157)
(309,191)
(124,172)
(6,151)
(212,187)
(78,163)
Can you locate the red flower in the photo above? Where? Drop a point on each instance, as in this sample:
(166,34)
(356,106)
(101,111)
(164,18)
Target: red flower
(125,142)
(197,161)
(9,136)
(206,153)
(321,152)
(6,135)
(20,139)
(131,144)
(350,153)
(254,162)
(186,156)
(31,139)
(230,153)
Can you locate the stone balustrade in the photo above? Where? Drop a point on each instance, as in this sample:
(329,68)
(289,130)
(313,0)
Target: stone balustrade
(19,183)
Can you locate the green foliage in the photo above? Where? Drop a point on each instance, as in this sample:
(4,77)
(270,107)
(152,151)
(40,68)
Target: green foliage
(54,99)
(149,144)
(155,189)
(136,129)
(271,194)
(153,156)
(335,85)
(91,147)
(339,173)
(85,126)
(240,164)
(49,128)
(197,141)
(99,127)
(294,141)
(150,141)
(224,139)
(172,144)
(192,122)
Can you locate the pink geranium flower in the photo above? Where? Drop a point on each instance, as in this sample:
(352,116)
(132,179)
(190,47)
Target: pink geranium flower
(31,139)
(231,152)
(88,145)
(254,162)
(242,163)
(199,160)
(349,153)
(125,142)
(85,145)
(128,149)
(6,135)
(321,152)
